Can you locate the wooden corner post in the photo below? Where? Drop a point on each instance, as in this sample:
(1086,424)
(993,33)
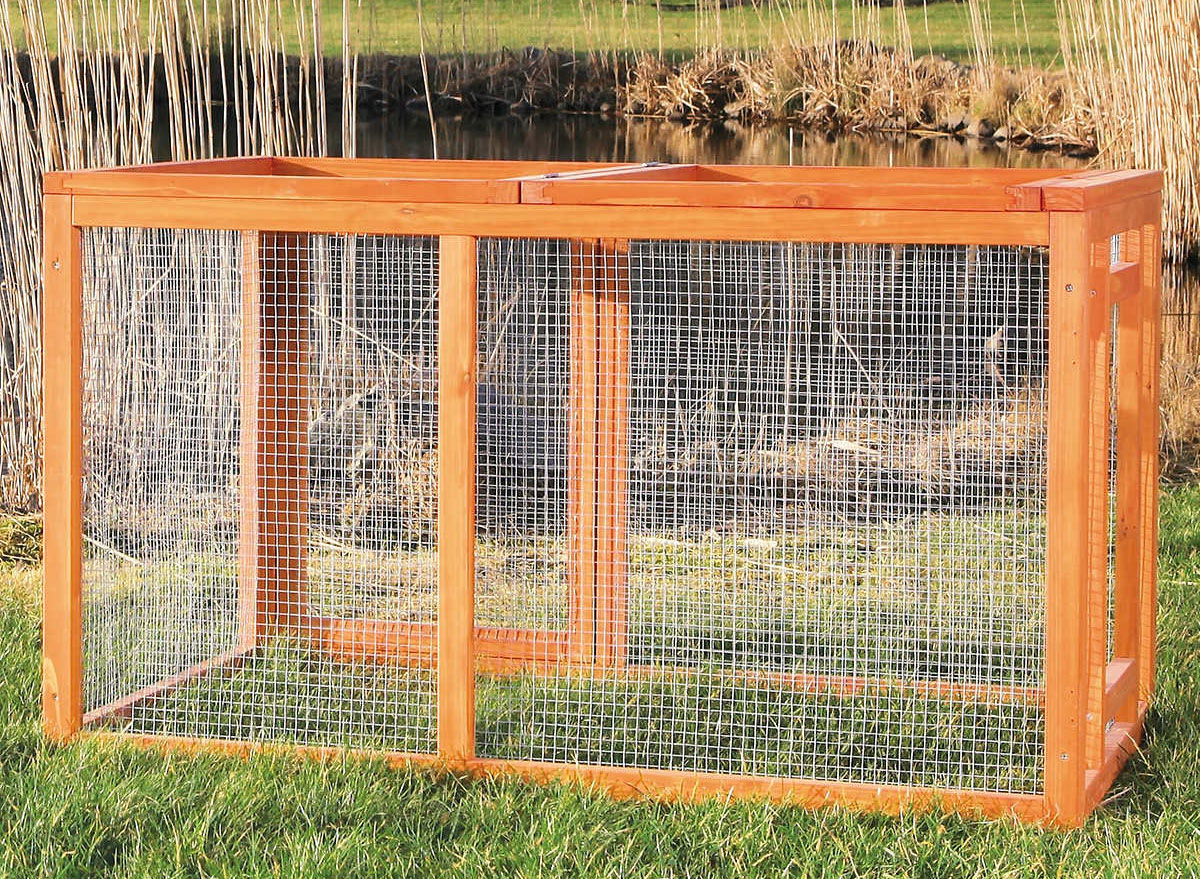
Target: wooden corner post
(1076,294)
(456,498)
(1151,314)
(272,589)
(62,505)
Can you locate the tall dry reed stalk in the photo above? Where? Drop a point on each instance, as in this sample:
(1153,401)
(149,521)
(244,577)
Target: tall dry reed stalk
(1136,65)
(217,71)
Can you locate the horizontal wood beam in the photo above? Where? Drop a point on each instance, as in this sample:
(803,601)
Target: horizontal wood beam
(1124,281)
(931,197)
(1086,192)
(291,192)
(568,221)
(1120,743)
(1120,685)
(122,708)
(660,784)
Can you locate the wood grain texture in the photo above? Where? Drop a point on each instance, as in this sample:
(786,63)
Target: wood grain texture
(62,504)
(1151,307)
(1068,499)
(570,221)
(660,784)
(582,451)
(612,450)
(456,497)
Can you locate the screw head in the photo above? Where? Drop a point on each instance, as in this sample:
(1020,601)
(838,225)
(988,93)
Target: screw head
(1064,756)
(1070,287)
(57,264)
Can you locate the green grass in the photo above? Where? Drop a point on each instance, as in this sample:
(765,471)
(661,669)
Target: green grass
(1020,28)
(90,809)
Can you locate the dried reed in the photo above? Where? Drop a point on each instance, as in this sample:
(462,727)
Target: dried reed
(1134,63)
(219,75)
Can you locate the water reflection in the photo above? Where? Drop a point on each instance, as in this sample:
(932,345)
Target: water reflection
(593,138)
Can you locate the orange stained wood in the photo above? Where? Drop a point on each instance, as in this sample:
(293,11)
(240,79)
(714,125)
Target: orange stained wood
(568,221)
(1121,741)
(1151,305)
(661,784)
(633,190)
(1099,425)
(456,497)
(62,505)
(1089,190)
(1120,690)
(1069,493)
(583,451)
(1127,552)
(1074,213)
(612,450)
(274,444)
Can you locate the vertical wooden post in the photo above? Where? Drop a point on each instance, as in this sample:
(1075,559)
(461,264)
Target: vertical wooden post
(1128,550)
(1151,311)
(612,389)
(1099,451)
(1073,289)
(456,497)
(62,506)
(272,593)
(582,454)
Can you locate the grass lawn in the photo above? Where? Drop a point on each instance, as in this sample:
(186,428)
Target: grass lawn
(1021,29)
(117,811)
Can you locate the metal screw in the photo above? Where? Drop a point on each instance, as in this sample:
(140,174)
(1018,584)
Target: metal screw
(1070,287)
(57,264)
(1064,756)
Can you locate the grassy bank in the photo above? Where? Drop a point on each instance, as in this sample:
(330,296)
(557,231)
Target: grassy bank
(88,810)
(1021,31)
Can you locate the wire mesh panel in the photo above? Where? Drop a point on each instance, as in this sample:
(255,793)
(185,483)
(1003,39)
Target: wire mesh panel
(261,469)
(522,404)
(814,525)
(161,412)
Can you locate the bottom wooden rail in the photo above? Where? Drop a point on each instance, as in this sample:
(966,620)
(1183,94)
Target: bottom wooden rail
(546,653)
(1121,742)
(222,663)
(503,651)
(658,784)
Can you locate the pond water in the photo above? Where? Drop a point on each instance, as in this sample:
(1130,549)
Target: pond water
(588,138)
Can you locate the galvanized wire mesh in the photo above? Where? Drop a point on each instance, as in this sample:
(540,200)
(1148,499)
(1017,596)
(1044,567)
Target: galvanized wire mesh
(834,565)
(767,508)
(213,610)
(161,389)
(521,429)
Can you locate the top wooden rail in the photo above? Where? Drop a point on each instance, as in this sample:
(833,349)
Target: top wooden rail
(994,206)
(598,183)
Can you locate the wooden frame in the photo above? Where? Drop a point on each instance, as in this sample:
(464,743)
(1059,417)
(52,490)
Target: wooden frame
(1094,703)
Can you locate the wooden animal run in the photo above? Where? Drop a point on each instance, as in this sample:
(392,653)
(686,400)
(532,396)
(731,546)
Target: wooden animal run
(828,484)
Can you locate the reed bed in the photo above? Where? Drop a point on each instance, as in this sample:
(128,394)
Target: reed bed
(1134,64)
(214,76)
